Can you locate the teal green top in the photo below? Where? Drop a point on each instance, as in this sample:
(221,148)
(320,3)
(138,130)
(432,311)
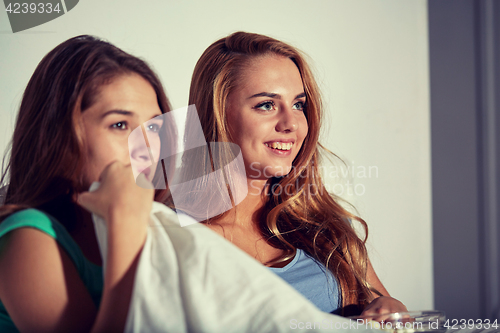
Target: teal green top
(90,273)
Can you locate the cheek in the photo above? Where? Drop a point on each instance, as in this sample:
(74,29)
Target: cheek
(155,146)
(241,125)
(107,151)
(234,128)
(303,128)
(258,129)
(95,163)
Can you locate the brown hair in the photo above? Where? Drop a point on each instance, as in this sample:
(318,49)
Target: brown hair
(291,219)
(46,156)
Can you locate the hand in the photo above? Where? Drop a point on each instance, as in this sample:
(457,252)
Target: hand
(118,197)
(383,305)
(124,205)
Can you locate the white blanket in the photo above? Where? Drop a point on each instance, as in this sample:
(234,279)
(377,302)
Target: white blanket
(189,279)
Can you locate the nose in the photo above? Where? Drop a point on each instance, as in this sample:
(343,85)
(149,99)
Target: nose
(287,121)
(138,148)
(141,154)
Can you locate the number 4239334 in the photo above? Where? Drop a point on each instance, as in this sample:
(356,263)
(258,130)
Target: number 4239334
(24,8)
(471,324)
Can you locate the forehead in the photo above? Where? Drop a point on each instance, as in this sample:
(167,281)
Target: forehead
(270,73)
(127,89)
(129,94)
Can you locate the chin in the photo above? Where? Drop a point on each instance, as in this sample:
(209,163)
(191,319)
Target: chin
(281,174)
(278,171)
(258,170)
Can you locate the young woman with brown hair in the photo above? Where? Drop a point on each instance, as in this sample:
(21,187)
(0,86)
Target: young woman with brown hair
(77,112)
(259,93)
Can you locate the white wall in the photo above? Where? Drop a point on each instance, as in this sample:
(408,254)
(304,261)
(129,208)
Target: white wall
(371,62)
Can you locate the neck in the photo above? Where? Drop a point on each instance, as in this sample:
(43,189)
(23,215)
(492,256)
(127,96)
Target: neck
(241,225)
(243,214)
(84,235)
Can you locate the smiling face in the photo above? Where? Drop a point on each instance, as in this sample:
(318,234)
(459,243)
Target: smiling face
(126,103)
(266,116)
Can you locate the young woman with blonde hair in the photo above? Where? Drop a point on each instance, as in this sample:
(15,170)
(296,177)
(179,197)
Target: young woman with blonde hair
(259,93)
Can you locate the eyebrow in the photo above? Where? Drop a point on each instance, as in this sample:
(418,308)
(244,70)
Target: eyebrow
(277,96)
(124,113)
(120,112)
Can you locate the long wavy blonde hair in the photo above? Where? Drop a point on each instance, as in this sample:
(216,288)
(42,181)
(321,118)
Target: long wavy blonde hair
(294,218)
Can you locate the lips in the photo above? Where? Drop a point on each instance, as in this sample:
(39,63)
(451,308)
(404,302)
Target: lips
(145,170)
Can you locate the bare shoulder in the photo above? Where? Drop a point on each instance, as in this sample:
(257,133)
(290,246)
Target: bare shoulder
(40,286)
(374,281)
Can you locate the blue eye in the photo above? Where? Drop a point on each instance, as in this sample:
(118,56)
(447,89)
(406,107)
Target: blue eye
(265,106)
(299,106)
(122,125)
(153,128)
